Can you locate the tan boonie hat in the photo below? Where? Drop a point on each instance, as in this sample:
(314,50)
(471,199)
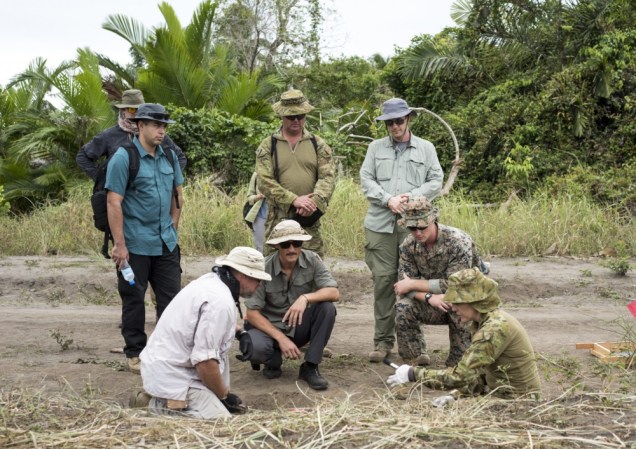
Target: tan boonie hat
(292,102)
(470,286)
(132,98)
(246,260)
(418,213)
(287,230)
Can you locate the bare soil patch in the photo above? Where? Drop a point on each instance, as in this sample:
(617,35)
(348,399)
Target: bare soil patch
(59,319)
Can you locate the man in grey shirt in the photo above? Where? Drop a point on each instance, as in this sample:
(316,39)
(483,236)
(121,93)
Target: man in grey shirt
(395,168)
(293,309)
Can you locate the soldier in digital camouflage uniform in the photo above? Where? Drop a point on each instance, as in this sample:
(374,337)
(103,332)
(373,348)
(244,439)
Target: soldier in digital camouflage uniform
(500,358)
(306,174)
(428,256)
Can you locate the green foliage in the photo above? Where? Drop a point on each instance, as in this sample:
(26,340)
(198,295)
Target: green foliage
(620,264)
(533,90)
(40,142)
(63,340)
(4,205)
(219,145)
(223,146)
(184,67)
(339,83)
(269,34)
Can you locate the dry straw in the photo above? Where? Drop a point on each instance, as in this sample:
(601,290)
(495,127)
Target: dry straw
(31,419)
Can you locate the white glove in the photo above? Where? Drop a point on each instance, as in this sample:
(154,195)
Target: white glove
(400,377)
(443,400)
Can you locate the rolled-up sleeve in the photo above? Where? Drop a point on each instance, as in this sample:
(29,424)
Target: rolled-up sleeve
(210,335)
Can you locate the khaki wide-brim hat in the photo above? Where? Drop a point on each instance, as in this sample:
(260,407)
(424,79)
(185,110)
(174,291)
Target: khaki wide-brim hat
(292,102)
(132,98)
(247,261)
(287,230)
(472,287)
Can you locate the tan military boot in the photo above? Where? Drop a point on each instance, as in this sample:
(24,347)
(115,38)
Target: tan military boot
(422,360)
(378,354)
(134,365)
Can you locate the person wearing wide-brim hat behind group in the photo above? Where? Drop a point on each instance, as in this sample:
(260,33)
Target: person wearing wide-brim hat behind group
(500,358)
(106,143)
(295,171)
(395,168)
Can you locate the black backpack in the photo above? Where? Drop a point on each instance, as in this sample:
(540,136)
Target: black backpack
(99,200)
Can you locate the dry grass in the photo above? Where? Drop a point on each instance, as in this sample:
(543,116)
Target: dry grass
(211,224)
(30,419)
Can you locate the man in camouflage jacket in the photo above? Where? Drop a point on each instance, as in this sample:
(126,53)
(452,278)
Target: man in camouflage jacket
(500,358)
(428,256)
(305,180)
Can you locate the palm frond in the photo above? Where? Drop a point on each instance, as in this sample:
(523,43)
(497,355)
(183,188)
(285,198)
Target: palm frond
(199,32)
(430,58)
(128,28)
(128,74)
(461,10)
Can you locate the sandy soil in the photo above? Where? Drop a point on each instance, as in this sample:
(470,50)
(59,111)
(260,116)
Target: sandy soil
(48,301)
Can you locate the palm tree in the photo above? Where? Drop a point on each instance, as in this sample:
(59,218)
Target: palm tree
(183,67)
(40,141)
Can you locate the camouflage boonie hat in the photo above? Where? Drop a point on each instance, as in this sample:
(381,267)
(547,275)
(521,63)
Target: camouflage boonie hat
(470,286)
(292,102)
(419,213)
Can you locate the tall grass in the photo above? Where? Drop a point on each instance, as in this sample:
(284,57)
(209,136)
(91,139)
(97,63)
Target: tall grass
(211,223)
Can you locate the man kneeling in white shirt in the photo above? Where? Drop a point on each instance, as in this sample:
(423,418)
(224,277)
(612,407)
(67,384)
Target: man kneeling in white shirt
(185,365)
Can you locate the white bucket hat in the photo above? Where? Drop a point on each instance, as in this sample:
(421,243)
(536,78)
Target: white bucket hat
(287,230)
(246,260)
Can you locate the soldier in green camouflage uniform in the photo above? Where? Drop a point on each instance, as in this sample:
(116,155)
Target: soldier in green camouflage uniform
(428,257)
(500,358)
(306,174)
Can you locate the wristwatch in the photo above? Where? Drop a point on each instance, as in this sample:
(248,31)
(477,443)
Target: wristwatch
(427,297)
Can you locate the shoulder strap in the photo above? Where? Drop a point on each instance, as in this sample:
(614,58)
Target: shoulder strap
(170,155)
(133,163)
(274,153)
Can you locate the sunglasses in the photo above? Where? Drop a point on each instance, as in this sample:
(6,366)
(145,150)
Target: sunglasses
(298,117)
(131,110)
(288,243)
(417,228)
(397,121)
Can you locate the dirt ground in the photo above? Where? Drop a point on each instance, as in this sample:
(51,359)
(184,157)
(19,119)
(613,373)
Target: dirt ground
(59,319)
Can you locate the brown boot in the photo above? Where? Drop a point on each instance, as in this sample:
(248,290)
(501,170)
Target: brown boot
(422,360)
(134,365)
(378,355)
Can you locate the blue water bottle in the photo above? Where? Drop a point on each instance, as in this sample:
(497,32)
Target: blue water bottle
(128,273)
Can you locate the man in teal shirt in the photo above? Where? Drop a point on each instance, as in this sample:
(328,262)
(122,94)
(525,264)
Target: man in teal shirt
(143,217)
(395,168)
